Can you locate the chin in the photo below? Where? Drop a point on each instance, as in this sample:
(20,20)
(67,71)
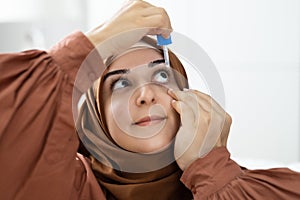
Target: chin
(155,146)
(160,142)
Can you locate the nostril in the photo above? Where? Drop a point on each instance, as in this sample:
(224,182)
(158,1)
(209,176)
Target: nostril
(143,102)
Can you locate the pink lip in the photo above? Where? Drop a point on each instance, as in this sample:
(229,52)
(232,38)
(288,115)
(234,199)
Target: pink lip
(145,121)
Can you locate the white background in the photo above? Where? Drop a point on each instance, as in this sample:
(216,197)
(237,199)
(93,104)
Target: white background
(255,45)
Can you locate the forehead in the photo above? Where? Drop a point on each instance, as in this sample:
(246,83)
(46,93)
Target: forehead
(135,58)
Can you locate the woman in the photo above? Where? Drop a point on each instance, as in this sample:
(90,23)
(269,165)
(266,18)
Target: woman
(133,151)
(38,140)
(133,123)
(39,144)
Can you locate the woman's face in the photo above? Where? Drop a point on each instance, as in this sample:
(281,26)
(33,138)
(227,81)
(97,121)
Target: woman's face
(137,107)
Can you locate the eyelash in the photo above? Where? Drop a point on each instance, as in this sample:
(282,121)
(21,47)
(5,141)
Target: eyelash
(121,78)
(167,71)
(114,82)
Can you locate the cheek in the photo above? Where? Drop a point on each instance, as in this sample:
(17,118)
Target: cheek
(111,124)
(108,116)
(171,112)
(117,117)
(175,117)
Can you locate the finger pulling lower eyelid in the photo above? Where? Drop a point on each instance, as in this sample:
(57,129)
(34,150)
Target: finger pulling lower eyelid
(172,93)
(179,94)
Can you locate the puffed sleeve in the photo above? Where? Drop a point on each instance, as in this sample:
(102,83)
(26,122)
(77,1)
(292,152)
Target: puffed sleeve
(216,176)
(38,141)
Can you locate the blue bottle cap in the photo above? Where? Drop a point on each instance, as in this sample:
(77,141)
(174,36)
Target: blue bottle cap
(163,41)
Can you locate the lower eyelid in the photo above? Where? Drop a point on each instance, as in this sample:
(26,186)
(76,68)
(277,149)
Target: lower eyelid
(113,82)
(162,70)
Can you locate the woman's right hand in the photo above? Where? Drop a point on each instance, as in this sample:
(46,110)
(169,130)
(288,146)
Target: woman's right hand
(204,125)
(133,21)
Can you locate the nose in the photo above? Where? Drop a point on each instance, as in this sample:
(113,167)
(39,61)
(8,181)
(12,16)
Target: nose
(145,95)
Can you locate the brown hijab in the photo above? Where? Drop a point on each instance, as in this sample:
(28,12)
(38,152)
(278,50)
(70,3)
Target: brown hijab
(123,174)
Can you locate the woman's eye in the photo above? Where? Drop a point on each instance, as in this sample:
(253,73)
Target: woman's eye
(121,83)
(161,76)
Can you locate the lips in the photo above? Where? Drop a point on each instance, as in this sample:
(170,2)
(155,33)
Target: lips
(145,121)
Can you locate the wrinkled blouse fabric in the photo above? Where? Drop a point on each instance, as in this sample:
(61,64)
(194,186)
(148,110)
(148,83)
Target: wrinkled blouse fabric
(38,141)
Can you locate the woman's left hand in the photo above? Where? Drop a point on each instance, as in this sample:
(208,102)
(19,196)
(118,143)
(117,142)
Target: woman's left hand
(134,20)
(204,125)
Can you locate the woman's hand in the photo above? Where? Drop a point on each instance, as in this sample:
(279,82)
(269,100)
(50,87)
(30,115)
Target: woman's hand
(204,125)
(133,21)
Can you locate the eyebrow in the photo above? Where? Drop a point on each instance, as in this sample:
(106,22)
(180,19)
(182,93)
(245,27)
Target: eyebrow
(156,62)
(115,72)
(126,71)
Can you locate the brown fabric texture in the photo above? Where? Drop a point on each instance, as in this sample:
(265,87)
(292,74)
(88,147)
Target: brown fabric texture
(216,176)
(38,141)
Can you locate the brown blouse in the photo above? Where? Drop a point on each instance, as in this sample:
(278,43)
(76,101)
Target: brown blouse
(38,141)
